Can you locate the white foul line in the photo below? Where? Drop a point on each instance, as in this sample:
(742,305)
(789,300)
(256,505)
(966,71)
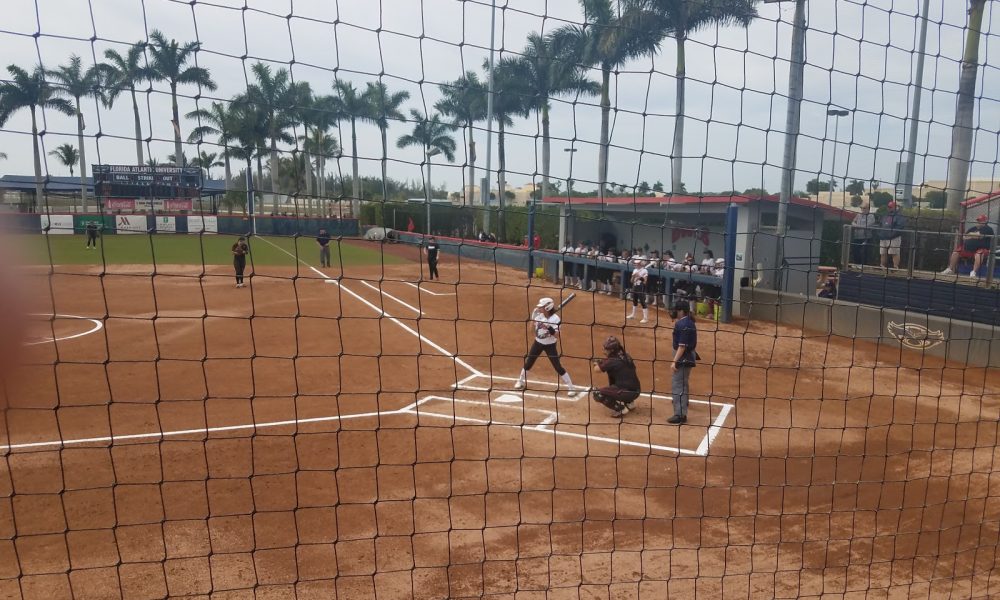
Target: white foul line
(381,312)
(391,297)
(198,431)
(426,291)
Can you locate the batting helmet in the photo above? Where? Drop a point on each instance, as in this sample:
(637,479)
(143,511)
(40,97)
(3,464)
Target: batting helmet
(546,303)
(612,345)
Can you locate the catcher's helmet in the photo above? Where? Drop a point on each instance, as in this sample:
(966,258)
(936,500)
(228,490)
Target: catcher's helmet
(612,345)
(546,303)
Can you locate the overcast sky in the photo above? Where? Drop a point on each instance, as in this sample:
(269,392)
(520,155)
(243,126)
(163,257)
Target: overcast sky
(859,55)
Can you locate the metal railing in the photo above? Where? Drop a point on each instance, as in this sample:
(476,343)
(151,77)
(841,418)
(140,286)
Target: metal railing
(923,250)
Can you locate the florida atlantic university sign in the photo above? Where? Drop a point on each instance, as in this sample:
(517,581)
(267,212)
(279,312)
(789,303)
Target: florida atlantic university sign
(914,336)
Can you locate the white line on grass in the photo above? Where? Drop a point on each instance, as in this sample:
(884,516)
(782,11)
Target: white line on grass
(391,297)
(381,312)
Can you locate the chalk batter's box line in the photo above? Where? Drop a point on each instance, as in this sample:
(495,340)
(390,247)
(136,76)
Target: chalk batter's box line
(550,427)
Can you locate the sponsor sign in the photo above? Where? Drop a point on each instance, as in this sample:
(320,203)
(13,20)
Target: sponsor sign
(119,204)
(58,224)
(914,336)
(166,225)
(177,204)
(158,204)
(130,223)
(203,224)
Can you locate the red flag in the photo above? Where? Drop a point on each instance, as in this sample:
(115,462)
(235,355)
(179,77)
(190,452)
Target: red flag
(410,226)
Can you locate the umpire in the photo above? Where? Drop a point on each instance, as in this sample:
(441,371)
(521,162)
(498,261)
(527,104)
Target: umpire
(323,241)
(685,343)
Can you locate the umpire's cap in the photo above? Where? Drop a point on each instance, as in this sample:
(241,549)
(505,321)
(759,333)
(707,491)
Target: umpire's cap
(546,303)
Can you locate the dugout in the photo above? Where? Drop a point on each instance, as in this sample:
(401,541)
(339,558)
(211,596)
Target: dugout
(694,223)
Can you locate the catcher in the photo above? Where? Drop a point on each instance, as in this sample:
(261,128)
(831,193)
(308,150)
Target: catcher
(623,382)
(545,322)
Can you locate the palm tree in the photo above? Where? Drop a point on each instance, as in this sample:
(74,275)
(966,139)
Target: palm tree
(548,69)
(31,91)
(172,158)
(67,155)
(352,106)
(125,73)
(73,81)
(678,19)
(384,106)
(217,120)
(961,134)
(169,62)
(465,101)
(249,138)
(510,99)
(431,135)
(276,101)
(318,116)
(320,145)
(607,40)
(152,161)
(205,161)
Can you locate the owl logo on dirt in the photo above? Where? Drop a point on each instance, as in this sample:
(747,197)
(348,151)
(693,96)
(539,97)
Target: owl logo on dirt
(915,336)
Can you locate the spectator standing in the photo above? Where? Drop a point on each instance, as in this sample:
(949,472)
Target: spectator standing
(685,343)
(569,268)
(323,241)
(537,242)
(890,235)
(975,245)
(862,229)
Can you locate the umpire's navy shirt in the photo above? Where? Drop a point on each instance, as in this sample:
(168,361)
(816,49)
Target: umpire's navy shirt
(323,239)
(686,334)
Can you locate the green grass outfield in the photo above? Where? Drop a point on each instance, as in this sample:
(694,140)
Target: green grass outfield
(185,249)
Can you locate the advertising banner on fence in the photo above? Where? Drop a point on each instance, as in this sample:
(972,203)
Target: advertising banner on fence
(119,204)
(203,224)
(130,223)
(169,205)
(58,224)
(166,225)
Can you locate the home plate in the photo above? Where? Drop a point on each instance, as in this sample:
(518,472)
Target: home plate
(508,399)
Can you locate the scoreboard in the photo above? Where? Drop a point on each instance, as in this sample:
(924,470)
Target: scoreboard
(132,181)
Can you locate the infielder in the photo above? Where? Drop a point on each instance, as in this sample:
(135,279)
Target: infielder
(623,382)
(545,322)
(639,278)
(240,250)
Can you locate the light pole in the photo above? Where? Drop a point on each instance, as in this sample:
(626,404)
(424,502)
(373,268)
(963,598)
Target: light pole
(915,110)
(427,188)
(793,118)
(835,112)
(564,211)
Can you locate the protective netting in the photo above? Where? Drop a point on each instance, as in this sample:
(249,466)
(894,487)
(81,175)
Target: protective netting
(248,379)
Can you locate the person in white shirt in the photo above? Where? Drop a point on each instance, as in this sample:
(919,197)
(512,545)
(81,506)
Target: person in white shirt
(720,267)
(707,263)
(569,269)
(545,326)
(640,276)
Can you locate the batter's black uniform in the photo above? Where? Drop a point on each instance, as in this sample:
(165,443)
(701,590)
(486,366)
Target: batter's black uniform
(91,234)
(623,382)
(240,251)
(432,260)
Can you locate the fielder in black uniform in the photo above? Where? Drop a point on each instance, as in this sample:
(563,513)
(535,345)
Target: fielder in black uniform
(91,235)
(623,382)
(240,251)
(432,250)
